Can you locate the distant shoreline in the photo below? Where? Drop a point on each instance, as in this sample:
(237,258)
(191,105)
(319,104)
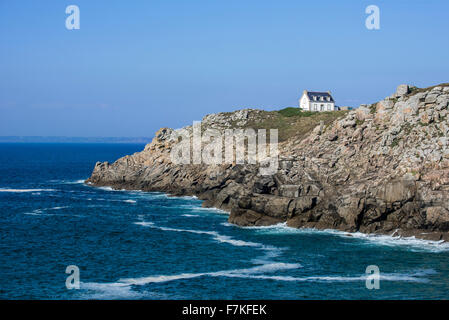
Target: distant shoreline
(43,139)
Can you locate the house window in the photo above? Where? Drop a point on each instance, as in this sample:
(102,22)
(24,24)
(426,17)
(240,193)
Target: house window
(329,107)
(315,107)
(322,107)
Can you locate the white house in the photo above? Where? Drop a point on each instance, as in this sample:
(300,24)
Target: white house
(316,101)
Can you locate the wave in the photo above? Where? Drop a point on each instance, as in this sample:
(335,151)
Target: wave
(269,252)
(37,212)
(183,197)
(194,207)
(264,267)
(241,272)
(107,189)
(79,181)
(258,273)
(215,235)
(123,287)
(227,224)
(130,201)
(386,277)
(189,215)
(411,243)
(57,208)
(43,211)
(25,190)
(109,290)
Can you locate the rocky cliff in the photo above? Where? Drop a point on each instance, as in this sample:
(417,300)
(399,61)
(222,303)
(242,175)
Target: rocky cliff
(381,168)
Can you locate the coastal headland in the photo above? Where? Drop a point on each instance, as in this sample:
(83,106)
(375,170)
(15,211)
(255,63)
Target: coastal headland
(380,168)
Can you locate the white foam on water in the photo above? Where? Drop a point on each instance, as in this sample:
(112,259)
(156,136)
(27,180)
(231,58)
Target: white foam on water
(215,235)
(390,277)
(144,223)
(237,243)
(268,267)
(184,197)
(410,243)
(107,189)
(109,290)
(194,207)
(258,273)
(189,215)
(269,252)
(37,212)
(123,288)
(25,190)
(130,201)
(214,210)
(79,181)
(226,273)
(158,279)
(44,211)
(57,208)
(263,271)
(153,194)
(227,224)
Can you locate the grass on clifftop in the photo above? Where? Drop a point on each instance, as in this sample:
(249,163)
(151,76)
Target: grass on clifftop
(414,90)
(292,122)
(293,112)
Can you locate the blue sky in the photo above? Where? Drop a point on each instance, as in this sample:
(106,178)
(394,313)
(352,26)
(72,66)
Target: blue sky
(136,66)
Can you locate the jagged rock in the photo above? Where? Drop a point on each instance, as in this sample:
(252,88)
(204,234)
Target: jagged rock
(438,216)
(397,191)
(402,90)
(302,204)
(381,168)
(431,98)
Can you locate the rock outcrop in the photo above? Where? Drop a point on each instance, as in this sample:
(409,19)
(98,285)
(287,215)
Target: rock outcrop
(381,168)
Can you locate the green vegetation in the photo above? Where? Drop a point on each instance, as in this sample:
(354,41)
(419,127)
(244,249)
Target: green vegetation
(295,112)
(407,128)
(395,143)
(415,90)
(292,122)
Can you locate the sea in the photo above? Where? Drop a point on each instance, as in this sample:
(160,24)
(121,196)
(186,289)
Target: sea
(61,238)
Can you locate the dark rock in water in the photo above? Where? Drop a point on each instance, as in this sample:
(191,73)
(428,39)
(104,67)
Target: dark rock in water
(378,169)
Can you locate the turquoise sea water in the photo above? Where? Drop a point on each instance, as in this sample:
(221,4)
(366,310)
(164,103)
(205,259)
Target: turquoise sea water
(137,245)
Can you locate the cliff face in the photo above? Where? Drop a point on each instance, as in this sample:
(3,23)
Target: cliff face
(382,168)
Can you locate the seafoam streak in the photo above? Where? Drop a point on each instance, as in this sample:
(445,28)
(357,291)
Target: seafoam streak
(410,243)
